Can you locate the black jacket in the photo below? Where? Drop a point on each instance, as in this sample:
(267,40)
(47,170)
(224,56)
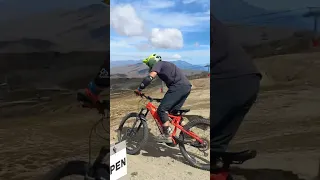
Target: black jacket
(227,58)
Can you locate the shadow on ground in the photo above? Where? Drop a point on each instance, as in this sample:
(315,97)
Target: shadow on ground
(156,150)
(263,174)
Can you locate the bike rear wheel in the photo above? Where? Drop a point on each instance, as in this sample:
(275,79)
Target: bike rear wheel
(190,156)
(128,133)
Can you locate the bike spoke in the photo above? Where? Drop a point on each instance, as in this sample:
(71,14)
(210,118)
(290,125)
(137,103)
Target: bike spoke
(132,132)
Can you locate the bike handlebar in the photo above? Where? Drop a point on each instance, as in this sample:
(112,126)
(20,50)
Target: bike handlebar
(101,106)
(148,97)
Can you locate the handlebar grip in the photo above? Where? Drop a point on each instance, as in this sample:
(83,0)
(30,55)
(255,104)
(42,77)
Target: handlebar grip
(140,94)
(157,99)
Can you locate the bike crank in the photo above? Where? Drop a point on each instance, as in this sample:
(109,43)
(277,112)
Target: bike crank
(203,147)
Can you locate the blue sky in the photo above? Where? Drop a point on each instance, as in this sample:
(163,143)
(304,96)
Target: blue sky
(177,29)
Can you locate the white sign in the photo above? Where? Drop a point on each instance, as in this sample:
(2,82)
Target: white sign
(118,161)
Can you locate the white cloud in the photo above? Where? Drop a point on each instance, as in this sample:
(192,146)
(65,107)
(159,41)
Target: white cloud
(188,1)
(144,47)
(125,21)
(177,20)
(176,56)
(169,38)
(119,44)
(204,3)
(156,4)
(158,28)
(132,40)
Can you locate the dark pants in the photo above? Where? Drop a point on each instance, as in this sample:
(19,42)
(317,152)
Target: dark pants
(230,100)
(173,100)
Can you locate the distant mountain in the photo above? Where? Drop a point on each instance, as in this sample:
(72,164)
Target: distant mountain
(20,8)
(140,70)
(82,29)
(134,69)
(238,11)
(227,10)
(185,65)
(123,63)
(86,28)
(179,63)
(248,28)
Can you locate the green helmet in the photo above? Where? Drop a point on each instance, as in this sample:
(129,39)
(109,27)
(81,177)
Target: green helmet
(152,60)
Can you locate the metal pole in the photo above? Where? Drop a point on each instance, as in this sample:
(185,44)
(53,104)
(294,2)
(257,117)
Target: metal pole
(315,13)
(208,66)
(315,29)
(315,24)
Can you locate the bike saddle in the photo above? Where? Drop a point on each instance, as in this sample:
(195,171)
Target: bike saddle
(179,112)
(236,157)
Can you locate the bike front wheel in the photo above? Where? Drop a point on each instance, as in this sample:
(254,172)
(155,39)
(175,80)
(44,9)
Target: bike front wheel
(135,134)
(199,155)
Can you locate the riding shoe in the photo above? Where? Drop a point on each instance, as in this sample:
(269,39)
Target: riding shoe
(165,137)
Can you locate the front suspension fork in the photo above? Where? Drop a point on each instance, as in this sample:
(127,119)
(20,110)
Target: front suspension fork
(135,123)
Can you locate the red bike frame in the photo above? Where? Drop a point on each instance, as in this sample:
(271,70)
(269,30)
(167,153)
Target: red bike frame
(175,121)
(220,176)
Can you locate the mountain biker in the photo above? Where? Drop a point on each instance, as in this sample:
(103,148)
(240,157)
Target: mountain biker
(98,84)
(234,86)
(178,85)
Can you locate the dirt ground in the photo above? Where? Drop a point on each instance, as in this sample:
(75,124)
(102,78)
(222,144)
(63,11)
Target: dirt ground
(284,126)
(159,157)
(32,145)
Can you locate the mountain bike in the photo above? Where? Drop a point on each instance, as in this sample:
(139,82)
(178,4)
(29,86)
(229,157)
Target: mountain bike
(97,170)
(185,136)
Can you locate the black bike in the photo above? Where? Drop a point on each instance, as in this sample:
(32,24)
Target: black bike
(97,170)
